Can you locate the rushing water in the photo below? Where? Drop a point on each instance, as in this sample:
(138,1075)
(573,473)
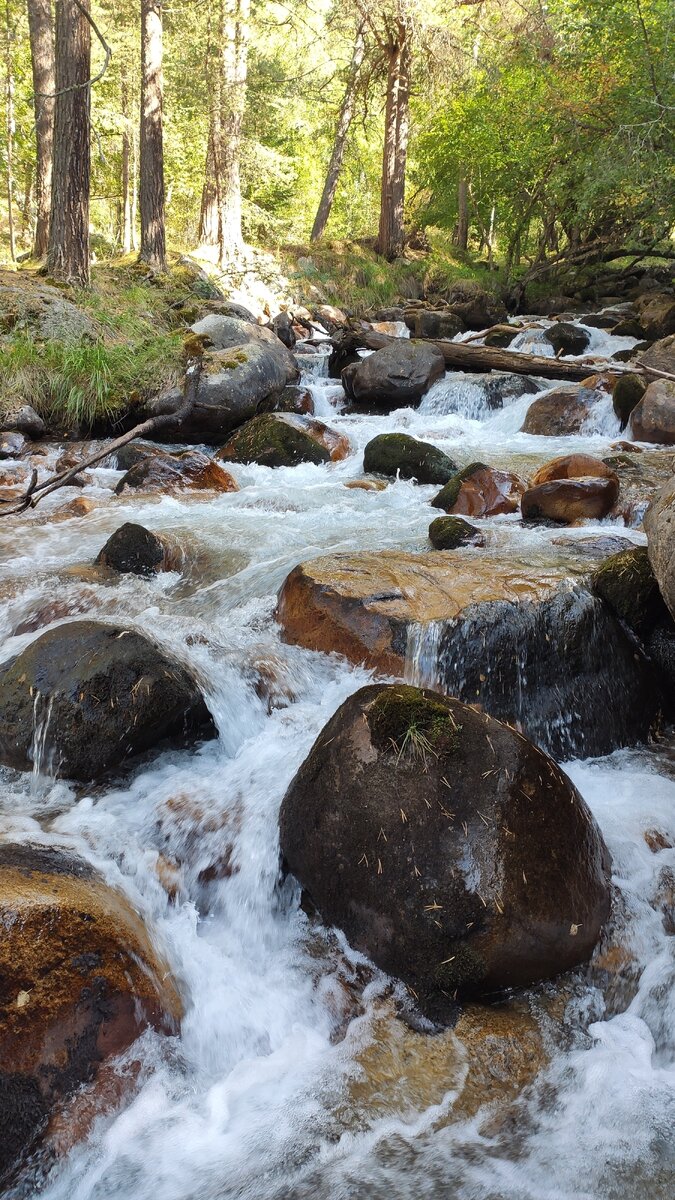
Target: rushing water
(267,1094)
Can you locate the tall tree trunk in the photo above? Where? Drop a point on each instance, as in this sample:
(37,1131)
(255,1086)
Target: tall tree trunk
(44,86)
(134,189)
(126,163)
(233,100)
(209,223)
(462,211)
(390,239)
(341,132)
(153,233)
(10,130)
(68,256)
(26,222)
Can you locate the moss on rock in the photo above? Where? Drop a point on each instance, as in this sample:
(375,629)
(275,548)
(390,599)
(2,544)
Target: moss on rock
(398,453)
(627,392)
(447,533)
(447,497)
(413,724)
(627,584)
(272,441)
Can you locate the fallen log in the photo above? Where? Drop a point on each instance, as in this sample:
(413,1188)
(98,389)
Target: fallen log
(37,491)
(465,357)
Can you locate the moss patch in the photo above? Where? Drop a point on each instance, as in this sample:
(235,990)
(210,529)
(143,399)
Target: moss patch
(627,584)
(447,497)
(413,725)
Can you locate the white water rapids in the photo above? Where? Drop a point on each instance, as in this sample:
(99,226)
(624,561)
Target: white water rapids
(264,1096)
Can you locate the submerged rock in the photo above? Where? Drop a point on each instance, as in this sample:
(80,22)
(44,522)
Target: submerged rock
(134,550)
(398,453)
(397,376)
(568,500)
(447,533)
(284,440)
(80,981)
(246,364)
(653,418)
(446,846)
(84,697)
(480,491)
(188,471)
(529,648)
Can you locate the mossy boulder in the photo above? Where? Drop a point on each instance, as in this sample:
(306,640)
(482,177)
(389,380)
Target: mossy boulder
(280,440)
(80,980)
(398,453)
(447,533)
(626,582)
(448,849)
(627,392)
(480,491)
(99,694)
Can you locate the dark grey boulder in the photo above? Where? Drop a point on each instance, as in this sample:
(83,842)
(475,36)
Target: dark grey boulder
(396,376)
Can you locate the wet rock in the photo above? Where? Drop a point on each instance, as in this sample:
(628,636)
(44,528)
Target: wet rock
(398,453)
(480,491)
(12,445)
(500,336)
(134,550)
(629,327)
(558,413)
(291,400)
(397,376)
(456,878)
(246,365)
(23,420)
(188,471)
(525,646)
(594,547)
(80,507)
(439,323)
(659,526)
(626,582)
(657,314)
(282,325)
(366,485)
(653,418)
(568,500)
(567,339)
(284,440)
(99,694)
(447,533)
(134,452)
(660,356)
(80,981)
(572,466)
(477,308)
(627,392)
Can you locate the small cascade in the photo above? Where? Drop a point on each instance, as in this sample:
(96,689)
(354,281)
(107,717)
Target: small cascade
(533,341)
(475,397)
(39,751)
(422,653)
(313,360)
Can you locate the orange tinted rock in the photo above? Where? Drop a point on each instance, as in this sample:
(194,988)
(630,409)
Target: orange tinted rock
(480,491)
(653,418)
(572,466)
(567,500)
(80,507)
(558,413)
(188,471)
(367,485)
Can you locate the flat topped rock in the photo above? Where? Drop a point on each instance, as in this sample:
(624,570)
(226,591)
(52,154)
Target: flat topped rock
(361,604)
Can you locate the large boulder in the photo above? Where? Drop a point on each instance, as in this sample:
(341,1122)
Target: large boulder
(572,466)
(660,356)
(84,697)
(397,376)
(657,314)
(284,440)
(653,418)
(626,394)
(626,582)
(23,419)
(529,648)
(190,470)
(436,323)
(399,454)
(659,526)
(566,338)
(559,412)
(446,846)
(480,491)
(568,500)
(134,550)
(81,980)
(244,364)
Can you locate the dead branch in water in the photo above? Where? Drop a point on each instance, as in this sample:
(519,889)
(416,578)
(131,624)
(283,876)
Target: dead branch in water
(35,492)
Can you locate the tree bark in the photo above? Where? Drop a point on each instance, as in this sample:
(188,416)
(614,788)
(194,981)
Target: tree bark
(209,224)
(396,127)
(68,255)
(126,163)
(341,132)
(462,212)
(234,68)
(153,231)
(10,130)
(44,86)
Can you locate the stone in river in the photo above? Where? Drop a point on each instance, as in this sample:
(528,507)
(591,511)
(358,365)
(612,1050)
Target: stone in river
(284,440)
(480,491)
(185,472)
(558,413)
(396,376)
(447,533)
(568,500)
(398,453)
(653,418)
(659,525)
(134,550)
(572,466)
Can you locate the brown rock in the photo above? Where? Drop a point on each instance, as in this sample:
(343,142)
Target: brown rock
(657,314)
(188,471)
(480,491)
(572,466)
(558,413)
(653,418)
(80,507)
(367,485)
(568,500)
(80,982)
(660,356)
(659,526)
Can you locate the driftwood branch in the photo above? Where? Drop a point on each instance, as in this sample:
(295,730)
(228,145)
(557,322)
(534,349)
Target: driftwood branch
(36,492)
(465,357)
